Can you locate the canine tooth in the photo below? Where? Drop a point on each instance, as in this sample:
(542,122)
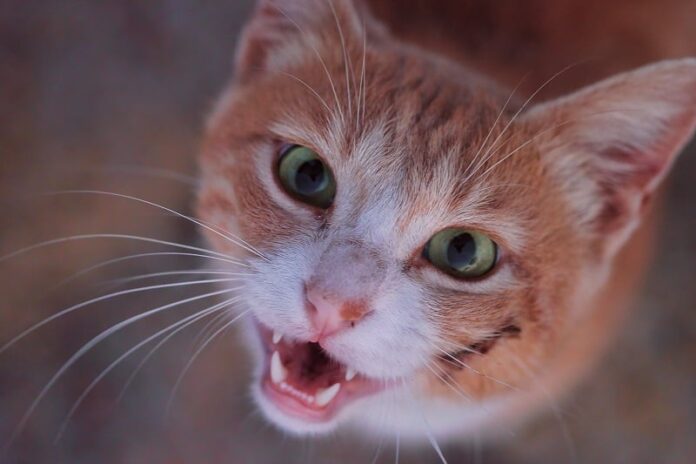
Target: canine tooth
(325,395)
(350,374)
(277,336)
(278,371)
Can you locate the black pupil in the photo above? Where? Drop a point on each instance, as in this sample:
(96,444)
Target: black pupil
(310,177)
(461,251)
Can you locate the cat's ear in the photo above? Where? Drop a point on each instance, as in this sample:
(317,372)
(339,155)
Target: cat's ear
(281,31)
(612,143)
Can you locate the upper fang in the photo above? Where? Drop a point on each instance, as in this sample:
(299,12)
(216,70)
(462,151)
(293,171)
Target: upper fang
(350,374)
(277,336)
(278,371)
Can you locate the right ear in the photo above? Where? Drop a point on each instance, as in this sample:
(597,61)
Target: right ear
(281,30)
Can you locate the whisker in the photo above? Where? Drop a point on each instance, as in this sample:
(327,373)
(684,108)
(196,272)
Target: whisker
(570,443)
(238,240)
(545,131)
(73,238)
(488,154)
(205,331)
(361,97)
(98,299)
(136,256)
(475,160)
(181,324)
(309,87)
(381,440)
(364,70)
(226,235)
(195,356)
(151,275)
(454,387)
(346,63)
(146,171)
(91,344)
(398,448)
(220,306)
(428,431)
(463,364)
(321,61)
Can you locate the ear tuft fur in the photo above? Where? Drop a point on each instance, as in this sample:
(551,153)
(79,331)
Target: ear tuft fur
(277,25)
(614,142)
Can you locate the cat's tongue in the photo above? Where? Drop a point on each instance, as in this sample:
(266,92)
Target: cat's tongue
(304,382)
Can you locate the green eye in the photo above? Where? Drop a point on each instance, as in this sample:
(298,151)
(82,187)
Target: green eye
(461,253)
(305,177)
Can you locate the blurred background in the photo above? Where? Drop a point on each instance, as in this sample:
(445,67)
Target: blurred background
(112,95)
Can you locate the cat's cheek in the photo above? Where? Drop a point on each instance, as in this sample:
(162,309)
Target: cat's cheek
(394,342)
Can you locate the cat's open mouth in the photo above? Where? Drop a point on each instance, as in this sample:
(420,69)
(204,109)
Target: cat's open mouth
(303,382)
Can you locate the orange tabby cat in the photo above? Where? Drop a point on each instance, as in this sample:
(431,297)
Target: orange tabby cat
(433,253)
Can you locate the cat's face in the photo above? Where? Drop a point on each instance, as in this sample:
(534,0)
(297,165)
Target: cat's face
(421,240)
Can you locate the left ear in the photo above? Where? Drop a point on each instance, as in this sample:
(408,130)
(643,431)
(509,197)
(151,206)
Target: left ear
(269,40)
(612,143)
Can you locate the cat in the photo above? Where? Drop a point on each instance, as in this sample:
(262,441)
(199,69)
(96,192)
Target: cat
(430,252)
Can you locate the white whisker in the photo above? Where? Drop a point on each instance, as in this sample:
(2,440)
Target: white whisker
(98,299)
(428,431)
(475,159)
(361,97)
(570,443)
(452,386)
(463,364)
(151,275)
(91,344)
(489,152)
(346,63)
(543,132)
(183,323)
(224,234)
(398,448)
(321,61)
(220,306)
(195,356)
(309,87)
(73,238)
(137,256)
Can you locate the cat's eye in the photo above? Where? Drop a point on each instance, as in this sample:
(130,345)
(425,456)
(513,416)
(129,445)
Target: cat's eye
(461,253)
(306,177)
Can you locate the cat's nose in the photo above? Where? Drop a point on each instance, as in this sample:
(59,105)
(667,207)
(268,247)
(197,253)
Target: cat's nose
(330,314)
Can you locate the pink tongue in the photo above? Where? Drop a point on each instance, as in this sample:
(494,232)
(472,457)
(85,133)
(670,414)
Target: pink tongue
(309,368)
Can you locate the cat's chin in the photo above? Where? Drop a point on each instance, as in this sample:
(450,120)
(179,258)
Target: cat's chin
(304,391)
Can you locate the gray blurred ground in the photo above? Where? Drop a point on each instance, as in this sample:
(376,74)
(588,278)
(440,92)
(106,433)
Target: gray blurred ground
(111,94)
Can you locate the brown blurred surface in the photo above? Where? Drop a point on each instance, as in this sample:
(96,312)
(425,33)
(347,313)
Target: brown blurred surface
(111,95)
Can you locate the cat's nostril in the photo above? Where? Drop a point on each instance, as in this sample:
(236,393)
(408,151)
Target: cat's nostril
(330,314)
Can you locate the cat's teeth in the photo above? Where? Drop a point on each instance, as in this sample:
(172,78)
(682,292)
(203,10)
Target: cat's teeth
(350,374)
(278,371)
(277,336)
(325,395)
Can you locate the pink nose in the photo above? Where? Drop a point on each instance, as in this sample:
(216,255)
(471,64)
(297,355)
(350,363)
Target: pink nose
(329,314)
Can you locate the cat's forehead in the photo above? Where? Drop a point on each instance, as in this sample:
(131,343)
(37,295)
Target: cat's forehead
(411,175)
(407,142)
(411,125)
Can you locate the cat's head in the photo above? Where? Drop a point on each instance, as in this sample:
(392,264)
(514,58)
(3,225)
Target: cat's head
(423,238)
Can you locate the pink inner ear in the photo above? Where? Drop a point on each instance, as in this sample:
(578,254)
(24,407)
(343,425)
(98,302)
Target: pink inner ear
(632,168)
(641,161)
(624,135)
